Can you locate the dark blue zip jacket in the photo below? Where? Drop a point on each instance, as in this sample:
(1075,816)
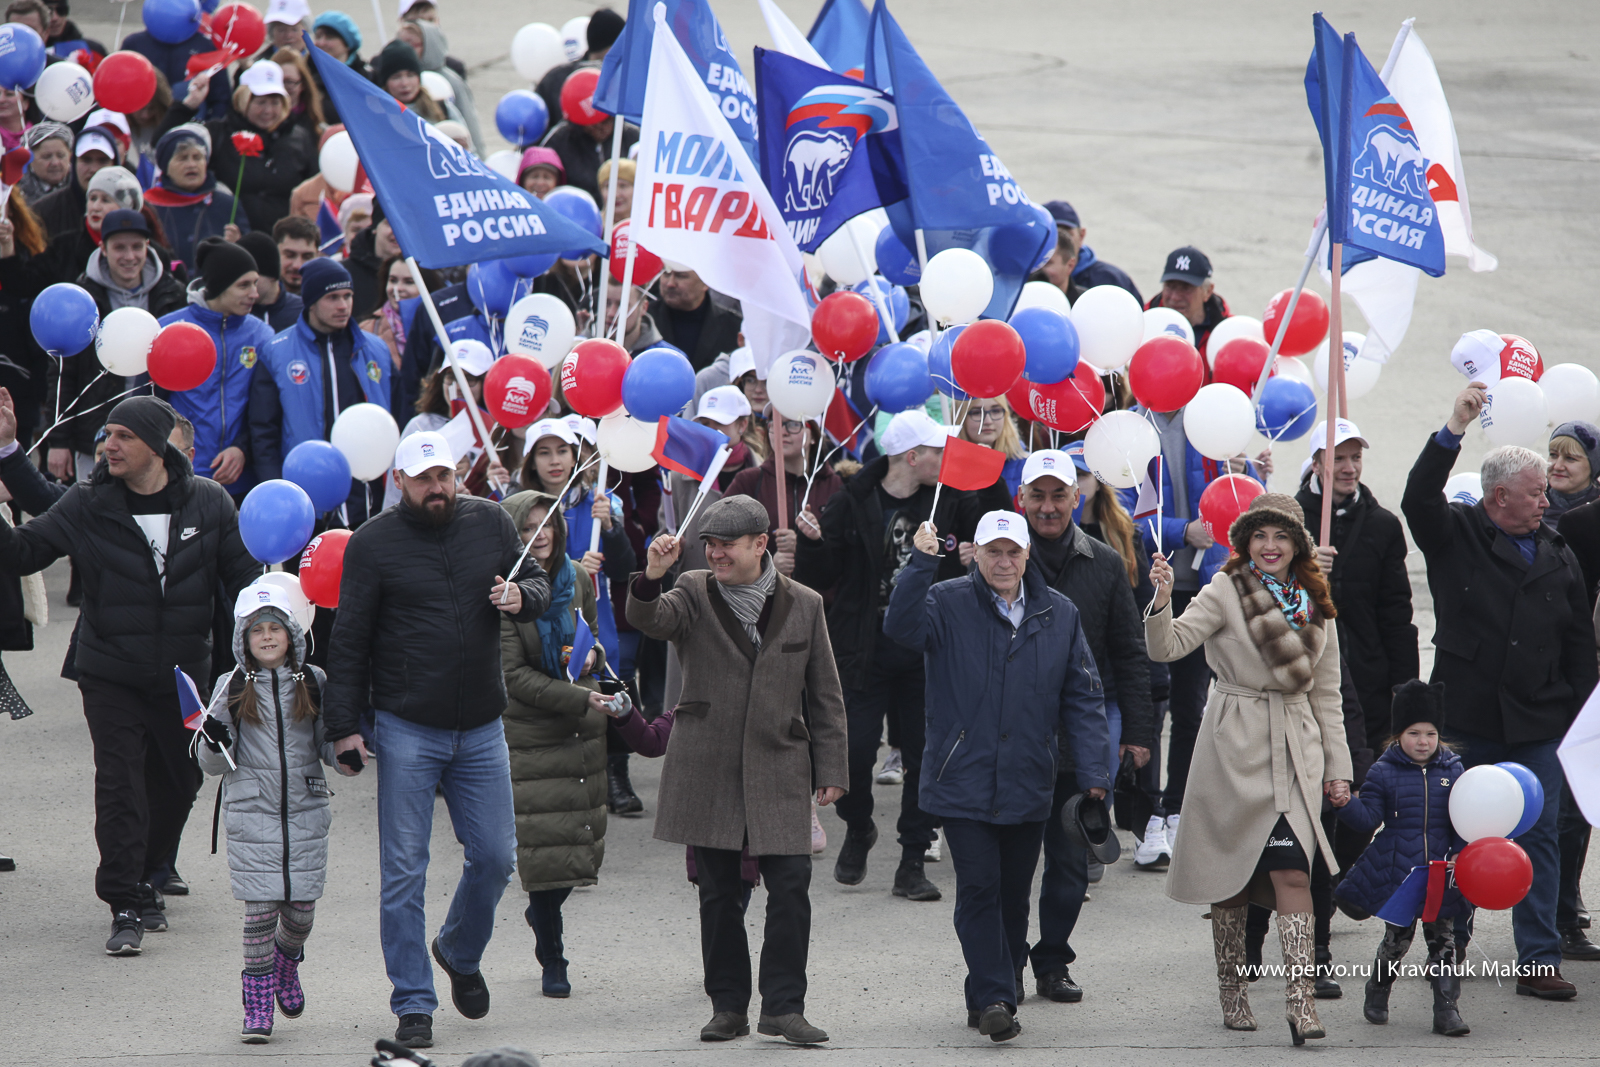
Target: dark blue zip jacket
(998,699)
(1413,804)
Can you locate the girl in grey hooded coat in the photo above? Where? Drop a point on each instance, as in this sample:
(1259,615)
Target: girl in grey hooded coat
(264,735)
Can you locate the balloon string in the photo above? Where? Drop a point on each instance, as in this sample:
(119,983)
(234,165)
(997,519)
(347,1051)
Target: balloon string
(836,448)
(68,415)
(122,14)
(538,529)
(61,372)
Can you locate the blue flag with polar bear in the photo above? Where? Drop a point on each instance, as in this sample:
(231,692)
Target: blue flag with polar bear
(447,209)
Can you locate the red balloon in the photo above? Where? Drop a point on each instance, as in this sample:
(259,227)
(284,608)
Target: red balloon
(1225,500)
(577,97)
(591,377)
(239,28)
(125,82)
(845,326)
(1520,358)
(1070,405)
(517,390)
(987,359)
(182,357)
(1306,330)
(1494,873)
(322,566)
(1239,363)
(647,266)
(1165,373)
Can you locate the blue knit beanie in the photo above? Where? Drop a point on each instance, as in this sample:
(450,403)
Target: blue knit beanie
(319,278)
(343,25)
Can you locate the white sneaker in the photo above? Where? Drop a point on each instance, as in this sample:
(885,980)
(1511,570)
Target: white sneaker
(933,855)
(1172,831)
(1153,851)
(893,771)
(819,836)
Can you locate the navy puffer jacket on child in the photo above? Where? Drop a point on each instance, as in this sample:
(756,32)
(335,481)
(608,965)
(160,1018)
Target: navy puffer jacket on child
(1413,804)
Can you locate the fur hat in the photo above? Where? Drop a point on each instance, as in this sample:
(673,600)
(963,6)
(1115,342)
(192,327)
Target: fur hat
(1417,701)
(1270,509)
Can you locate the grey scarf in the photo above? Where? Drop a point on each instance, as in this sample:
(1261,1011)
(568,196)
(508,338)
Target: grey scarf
(746,601)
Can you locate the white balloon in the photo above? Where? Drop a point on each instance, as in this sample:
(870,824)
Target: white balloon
(1043,295)
(1119,448)
(535,49)
(957,286)
(800,384)
(625,443)
(1464,488)
(1515,413)
(541,326)
(838,252)
(1486,801)
(338,161)
(1219,421)
(124,340)
(923,339)
(505,163)
(1360,374)
(575,38)
(1571,390)
(1229,328)
(438,86)
(1110,326)
(367,436)
(65,92)
(1159,321)
(300,605)
(1290,367)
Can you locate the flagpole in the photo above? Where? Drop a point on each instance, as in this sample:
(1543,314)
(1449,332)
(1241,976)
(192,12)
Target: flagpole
(599,489)
(872,286)
(933,323)
(455,368)
(622,297)
(618,122)
(1288,313)
(775,428)
(1337,228)
(377,13)
(1335,396)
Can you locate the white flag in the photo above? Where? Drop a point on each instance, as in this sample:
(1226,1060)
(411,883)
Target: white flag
(787,38)
(1411,76)
(1384,290)
(700,198)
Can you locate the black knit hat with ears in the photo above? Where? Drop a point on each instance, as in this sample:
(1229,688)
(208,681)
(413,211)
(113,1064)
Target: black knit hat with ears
(1417,701)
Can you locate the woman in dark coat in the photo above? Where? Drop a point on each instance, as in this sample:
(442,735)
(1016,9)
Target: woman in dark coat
(556,731)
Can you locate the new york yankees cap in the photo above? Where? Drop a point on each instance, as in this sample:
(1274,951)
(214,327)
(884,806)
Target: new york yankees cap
(1187,264)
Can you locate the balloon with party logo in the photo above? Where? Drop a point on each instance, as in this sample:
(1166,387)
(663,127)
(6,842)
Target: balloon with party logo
(1229,328)
(1120,446)
(1165,373)
(591,377)
(517,390)
(521,117)
(322,471)
(322,567)
(300,605)
(956,286)
(22,56)
(65,92)
(896,262)
(1532,796)
(577,97)
(535,49)
(897,378)
(338,161)
(626,443)
(1515,413)
(123,343)
(171,21)
(182,357)
(988,358)
(63,317)
(1050,340)
(845,325)
(1486,801)
(1520,358)
(647,266)
(1571,393)
(1220,421)
(575,38)
(1305,331)
(1360,373)
(800,384)
(939,370)
(1070,405)
(367,435)
(491,287)
(1159,321)
(1110,325)
(1494,873)
(894,298)
(124,82)
(659,381)
(540,326)
(1464,488)
(1287,409)
(276,520)
(1225,500)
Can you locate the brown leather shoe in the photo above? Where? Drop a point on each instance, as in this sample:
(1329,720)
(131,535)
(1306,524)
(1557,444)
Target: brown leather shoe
(1546,986)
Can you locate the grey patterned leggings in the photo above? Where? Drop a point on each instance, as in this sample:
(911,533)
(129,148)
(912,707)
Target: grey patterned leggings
(286,923)
(1439,937)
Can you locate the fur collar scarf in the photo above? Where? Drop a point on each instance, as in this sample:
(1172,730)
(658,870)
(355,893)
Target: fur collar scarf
(1290,654)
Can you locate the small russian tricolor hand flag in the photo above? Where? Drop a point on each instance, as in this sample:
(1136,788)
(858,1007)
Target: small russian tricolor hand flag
(582,642)
(1149,502)
(685,446)
(189,702)
(969,466)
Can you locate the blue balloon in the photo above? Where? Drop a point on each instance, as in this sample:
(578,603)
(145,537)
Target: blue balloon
(1532,797)
(578,206)
(172,21)
(895,261)
(321,470)
(491,287)
(1287,409)
(1051,342)
(21,56)
(276,520)
(530,266)
(659,381)
(894,297)
(209,6)
(64,317)
(897,378)
(520,116)
(939,373)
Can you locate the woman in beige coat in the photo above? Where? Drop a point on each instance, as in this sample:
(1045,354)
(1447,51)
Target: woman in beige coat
(1271,743)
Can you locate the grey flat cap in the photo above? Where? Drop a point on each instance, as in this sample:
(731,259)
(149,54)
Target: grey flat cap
(504,1056)
(732,517)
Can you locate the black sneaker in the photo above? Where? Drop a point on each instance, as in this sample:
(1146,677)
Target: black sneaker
(153,912)
(415,1031)
(852,863)
(911,882)
(127,931)
(7,863)
(469,992)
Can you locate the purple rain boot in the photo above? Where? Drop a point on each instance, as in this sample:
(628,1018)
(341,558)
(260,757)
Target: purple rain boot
(258,992)
(286,973)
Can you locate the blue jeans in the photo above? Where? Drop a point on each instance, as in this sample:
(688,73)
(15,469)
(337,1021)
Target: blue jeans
(473,768)
(994,874)
(1533,921)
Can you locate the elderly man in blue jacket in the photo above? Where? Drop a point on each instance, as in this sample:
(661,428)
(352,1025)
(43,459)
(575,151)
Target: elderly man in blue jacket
(1009,676)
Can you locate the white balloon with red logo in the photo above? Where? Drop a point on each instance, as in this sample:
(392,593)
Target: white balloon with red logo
(800,384)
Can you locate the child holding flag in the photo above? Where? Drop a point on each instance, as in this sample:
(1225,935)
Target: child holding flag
(264,735)
(1415,811)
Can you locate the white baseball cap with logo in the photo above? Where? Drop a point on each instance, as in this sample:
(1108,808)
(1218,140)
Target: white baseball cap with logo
(557,428)
(1477,355)
(287,12)
(252,598)
(473,357)
(741,361)
(725,404)
(423,451)
(1049,463)
(581,427)
(1343,430)
(1002,526)
(912,429)
(264,79)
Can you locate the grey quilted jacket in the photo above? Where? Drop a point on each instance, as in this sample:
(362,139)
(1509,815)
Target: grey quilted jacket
(275,805)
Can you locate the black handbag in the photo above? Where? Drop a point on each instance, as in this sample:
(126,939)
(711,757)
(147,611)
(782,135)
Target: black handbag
(1132,808)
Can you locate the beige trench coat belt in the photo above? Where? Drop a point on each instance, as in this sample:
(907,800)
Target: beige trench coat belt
(1277,719)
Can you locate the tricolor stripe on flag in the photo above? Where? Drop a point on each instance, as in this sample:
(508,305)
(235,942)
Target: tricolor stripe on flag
(1149,502)
(582,642)
(189,702)
(687,447)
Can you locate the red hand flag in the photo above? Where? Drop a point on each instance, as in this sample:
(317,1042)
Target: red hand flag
(969,466)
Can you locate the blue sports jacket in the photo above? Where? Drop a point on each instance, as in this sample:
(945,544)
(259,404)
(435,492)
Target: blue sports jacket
(296,363)
(218,406)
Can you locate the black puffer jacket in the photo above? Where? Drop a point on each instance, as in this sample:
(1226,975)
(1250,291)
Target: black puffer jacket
(133,632)
(1515,640)
(288,158)
(416,635)
(1581,528)
(1373,594)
